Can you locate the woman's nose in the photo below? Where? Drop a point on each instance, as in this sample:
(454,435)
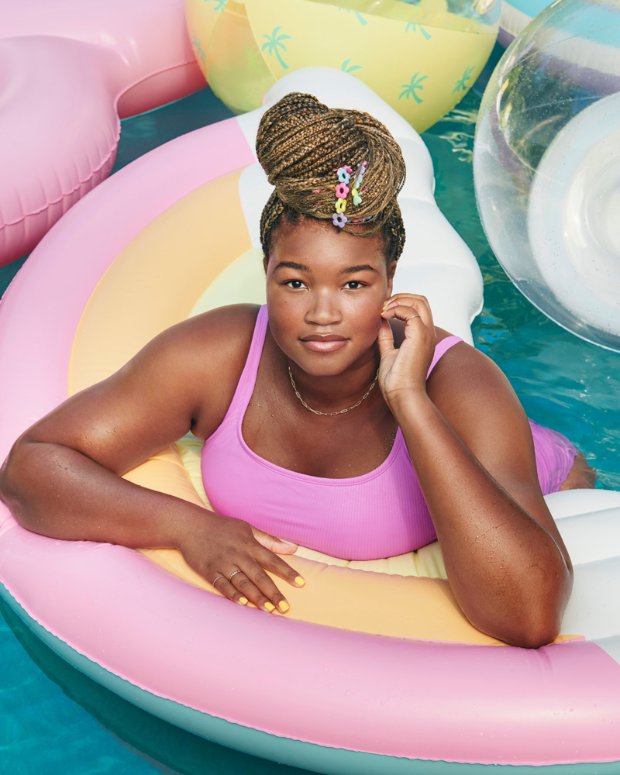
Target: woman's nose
(323,309)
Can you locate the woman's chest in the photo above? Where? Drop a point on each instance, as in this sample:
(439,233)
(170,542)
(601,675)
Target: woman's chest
(342,446)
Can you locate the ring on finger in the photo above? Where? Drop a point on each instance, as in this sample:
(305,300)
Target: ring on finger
(217,578)
(234,573)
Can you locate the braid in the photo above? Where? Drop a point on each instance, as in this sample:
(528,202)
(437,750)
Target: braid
(301,144)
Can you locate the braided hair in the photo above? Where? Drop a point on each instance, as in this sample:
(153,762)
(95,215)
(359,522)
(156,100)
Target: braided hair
(301,144)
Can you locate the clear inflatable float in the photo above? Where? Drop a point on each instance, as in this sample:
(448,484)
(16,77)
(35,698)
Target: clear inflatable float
(516,15)
(547,166)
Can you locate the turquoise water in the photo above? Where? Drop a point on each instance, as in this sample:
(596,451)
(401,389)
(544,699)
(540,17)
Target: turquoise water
(53,720)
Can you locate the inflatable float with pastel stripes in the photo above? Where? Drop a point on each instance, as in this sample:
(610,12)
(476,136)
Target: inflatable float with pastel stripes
(377,670)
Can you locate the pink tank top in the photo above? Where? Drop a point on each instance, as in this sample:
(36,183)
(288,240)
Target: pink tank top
(379,514)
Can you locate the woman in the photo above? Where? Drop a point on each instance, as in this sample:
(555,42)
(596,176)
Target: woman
(359,427)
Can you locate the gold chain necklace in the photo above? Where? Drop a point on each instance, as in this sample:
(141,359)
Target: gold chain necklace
(340,411)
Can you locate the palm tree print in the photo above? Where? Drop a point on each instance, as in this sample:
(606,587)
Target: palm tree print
(348,67)
(412,88)
(274,44)
(461,84)
(418,28)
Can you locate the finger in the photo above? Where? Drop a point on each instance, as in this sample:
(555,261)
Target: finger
(406,313)
(407,299)
(399,310)
(274,544)
(223,585)
(274,564)
(258,587)
(400,298)
(239,588)
(385,339)
(272,561)
(416,301)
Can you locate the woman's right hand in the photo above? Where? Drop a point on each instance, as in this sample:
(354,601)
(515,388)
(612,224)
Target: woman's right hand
(233,556)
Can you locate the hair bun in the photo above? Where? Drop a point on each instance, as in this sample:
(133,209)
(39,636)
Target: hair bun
(280,124)
(302,143)
(288,142)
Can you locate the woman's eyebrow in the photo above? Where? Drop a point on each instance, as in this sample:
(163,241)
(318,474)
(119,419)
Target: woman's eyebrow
(358,268)
(291,265)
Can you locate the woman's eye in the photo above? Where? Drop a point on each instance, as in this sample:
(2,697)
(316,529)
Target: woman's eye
(353,285)
(296,284)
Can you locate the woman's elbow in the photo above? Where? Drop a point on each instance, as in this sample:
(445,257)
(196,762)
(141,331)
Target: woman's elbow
(531,615)
(14,475)
(8,471)
(527,631)
(541,619)
(535,637)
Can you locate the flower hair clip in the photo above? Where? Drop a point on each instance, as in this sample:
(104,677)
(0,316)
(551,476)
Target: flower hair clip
(339,218)
(342,192)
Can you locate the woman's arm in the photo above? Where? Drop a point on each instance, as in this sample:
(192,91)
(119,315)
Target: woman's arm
(472,450)
(63,476)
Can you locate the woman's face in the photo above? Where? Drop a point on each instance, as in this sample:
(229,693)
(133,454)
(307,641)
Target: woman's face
(325,291)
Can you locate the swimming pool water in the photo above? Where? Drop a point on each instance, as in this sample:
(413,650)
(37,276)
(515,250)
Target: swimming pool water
(53,720)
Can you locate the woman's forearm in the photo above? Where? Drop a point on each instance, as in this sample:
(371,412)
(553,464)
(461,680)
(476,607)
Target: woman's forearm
(507,572)
(59,492)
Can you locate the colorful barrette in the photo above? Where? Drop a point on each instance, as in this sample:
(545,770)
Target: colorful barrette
(342,192)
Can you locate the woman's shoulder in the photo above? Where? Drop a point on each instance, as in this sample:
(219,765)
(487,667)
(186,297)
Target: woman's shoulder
(461,363)
(201,360)
(457,353)
(220,335)
(234,322)
(466,382)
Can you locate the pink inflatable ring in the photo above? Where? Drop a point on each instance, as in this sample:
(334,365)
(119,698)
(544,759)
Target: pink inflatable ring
(374,670)
(69,71)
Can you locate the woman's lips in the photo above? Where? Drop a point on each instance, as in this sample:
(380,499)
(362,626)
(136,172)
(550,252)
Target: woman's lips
(323,344)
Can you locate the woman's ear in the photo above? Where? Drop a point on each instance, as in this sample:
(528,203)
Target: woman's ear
(391,269)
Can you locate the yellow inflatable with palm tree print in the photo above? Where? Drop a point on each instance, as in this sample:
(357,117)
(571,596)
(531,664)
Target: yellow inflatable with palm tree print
(420,57)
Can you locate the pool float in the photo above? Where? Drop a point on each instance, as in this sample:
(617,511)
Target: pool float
(70,70)
(421,58)
(547,166)
(373,670)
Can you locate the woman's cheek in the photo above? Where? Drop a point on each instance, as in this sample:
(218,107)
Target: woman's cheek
(367,310)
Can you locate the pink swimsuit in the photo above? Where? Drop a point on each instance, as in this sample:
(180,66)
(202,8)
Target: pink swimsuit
(379,514)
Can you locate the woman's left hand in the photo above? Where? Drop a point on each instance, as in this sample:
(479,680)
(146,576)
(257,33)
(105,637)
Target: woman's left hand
(403,371)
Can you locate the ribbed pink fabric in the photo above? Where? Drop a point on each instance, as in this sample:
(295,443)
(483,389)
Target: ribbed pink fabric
(379,514)
(555,456)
